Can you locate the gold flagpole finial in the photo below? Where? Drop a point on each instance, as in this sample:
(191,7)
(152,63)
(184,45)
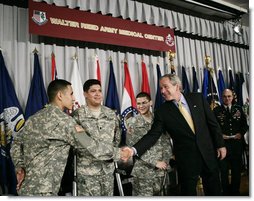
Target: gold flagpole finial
(207,61)
(95,56)
(124,61)
(75,57)
(171,56)
(35,51)
(109,59)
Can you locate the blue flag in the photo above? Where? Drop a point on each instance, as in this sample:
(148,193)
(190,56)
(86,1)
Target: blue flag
(112,100)
(209,90)
(221,85)
(205,83)
(195,87)
(37,97)
(159,99)
(185,82)
(11,122)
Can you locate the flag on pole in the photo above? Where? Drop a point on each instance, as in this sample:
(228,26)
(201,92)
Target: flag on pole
(246,102)
(185,82)
(37,97)
(238,88)
(112,100)
(195,87)
(214,82)
(212,96)
(158,99)
(11,122)
(145,87)
(77,84)
(173,71)
(209,90)
(231,84)
(245,94)
(221,85)
(205,83)
(129,106)
(53,67)
(97,68)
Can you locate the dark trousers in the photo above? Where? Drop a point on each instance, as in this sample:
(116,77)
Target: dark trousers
(233,162)
(210,180)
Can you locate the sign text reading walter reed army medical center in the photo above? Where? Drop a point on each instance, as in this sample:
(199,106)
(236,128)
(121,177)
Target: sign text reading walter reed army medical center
(53,21)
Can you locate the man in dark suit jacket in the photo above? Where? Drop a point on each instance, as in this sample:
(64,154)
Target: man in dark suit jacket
(195,151)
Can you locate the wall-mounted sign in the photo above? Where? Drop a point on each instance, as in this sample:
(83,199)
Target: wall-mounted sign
(59,22)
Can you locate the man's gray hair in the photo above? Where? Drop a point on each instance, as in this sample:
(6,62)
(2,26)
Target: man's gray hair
(174,79)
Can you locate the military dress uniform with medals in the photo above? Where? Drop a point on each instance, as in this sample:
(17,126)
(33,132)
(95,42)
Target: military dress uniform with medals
(232,121)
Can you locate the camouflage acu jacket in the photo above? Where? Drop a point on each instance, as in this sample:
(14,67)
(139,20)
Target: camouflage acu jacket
(42,149)
(144,167)
(104,130)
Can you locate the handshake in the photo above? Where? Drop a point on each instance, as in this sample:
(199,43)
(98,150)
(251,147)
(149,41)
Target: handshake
(126,153)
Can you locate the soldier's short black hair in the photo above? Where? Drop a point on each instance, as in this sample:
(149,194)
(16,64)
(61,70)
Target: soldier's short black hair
(89,83)
(143,94)
(55,86)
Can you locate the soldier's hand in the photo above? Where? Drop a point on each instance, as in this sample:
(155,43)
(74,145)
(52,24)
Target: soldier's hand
(79,129)
(225,137)
(162,165)
(126,153)
(238,136)
(20,174)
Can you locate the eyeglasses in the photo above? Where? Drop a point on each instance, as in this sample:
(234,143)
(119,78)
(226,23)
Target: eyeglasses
(142,103)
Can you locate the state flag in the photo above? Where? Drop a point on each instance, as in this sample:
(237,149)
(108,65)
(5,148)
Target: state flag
(11,122)
(77,85)
(159,98)
(129,106)
(37,97)
(112,100)
(145,87)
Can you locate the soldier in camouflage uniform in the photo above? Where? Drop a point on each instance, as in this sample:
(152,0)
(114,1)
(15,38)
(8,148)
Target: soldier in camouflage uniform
(234,125)
(41,150)
(149,170)
(95,177)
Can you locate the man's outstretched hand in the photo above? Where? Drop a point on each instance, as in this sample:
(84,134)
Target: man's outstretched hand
(126,153)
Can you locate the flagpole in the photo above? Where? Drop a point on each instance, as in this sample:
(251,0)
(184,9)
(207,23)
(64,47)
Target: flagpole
(74,182)
(75,57)
(207,63)
(171,56)
(35,51)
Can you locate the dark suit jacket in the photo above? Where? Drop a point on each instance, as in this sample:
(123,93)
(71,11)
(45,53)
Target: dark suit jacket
(187,146)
